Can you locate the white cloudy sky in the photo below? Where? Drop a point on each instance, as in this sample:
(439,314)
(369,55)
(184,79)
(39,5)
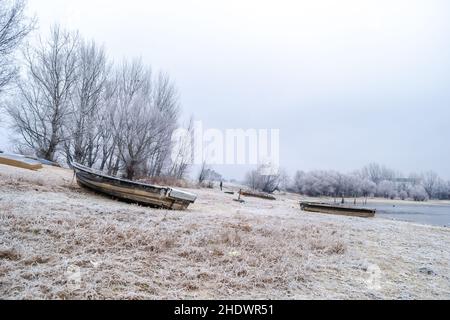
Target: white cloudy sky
(348,82)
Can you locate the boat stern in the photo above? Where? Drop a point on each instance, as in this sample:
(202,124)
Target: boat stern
(182,195)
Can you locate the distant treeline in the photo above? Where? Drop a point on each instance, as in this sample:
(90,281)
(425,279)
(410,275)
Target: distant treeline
(373,180)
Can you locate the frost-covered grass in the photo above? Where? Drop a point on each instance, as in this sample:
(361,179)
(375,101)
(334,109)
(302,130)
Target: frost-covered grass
(60,242)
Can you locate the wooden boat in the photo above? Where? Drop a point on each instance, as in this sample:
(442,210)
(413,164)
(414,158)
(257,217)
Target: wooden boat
(256,194)
(43,161)
(19,161)
(336,209)
(130,191)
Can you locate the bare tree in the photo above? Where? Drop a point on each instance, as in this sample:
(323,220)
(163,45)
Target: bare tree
(430,183)
(166,110)
(203,174)
(182,153)
(403,194)
(259,180)
(372,172)
(106,127)
(87,108)
(14,27)
(144,114)
(298,182)
(45,93)
(135,123)
(387,189)
(368,188)
(418,193)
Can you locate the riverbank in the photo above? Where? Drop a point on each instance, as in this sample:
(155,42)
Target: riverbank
(433,212)
(58,241)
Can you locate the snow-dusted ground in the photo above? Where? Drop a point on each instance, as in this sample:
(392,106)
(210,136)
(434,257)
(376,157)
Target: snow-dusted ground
(58,241)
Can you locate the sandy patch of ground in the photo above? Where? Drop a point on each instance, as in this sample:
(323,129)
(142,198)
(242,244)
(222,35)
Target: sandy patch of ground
(58,241)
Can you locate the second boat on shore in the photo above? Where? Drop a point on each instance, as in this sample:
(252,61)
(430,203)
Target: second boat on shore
(337,210)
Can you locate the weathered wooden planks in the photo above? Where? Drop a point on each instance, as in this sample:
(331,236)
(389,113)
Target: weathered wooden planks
(19,162)
(337,210)
(257,194)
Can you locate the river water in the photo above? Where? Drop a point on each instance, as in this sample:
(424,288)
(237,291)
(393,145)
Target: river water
(438,215)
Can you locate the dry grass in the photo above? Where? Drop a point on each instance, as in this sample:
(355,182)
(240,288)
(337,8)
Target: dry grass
(156,256)
(60,242)
(9,254)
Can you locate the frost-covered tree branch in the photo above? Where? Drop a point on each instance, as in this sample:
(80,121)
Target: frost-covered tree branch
(87,105)
(43,102)
(14,27)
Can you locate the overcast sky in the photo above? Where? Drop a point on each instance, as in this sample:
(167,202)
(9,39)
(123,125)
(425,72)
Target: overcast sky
(346,82)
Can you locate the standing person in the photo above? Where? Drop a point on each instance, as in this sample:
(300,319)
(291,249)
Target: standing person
(221,185)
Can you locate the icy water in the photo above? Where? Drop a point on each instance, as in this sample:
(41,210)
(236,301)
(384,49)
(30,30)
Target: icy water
(438,215)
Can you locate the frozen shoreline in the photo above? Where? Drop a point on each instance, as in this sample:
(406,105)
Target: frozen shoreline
(434,212)
(59,241)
